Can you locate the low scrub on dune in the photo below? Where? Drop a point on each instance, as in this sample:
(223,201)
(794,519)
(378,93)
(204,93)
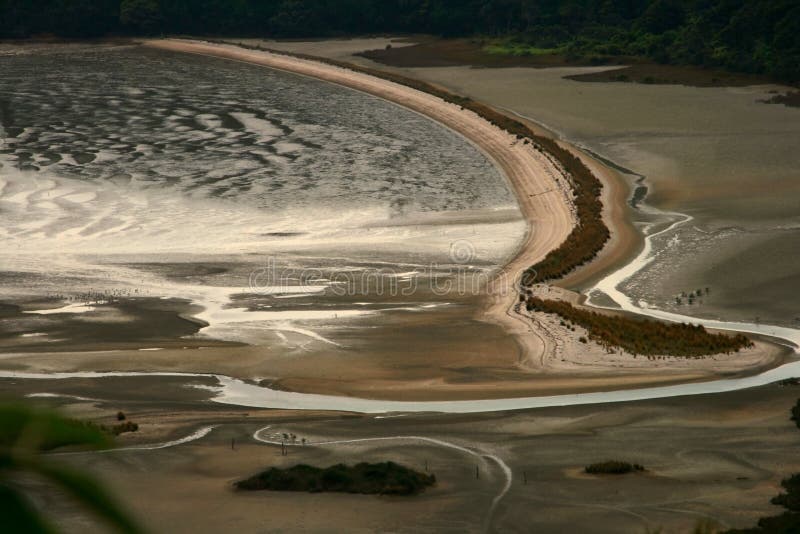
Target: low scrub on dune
(644,337)
(384,478)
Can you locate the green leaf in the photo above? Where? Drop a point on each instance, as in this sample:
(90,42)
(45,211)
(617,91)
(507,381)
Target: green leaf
(88,492)
(28,428)
(18,515)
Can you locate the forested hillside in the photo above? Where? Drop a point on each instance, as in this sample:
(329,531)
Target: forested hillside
(756,36)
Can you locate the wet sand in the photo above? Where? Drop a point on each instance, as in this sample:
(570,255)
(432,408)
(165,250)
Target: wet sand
(542,357)
(550,359)
(719,457)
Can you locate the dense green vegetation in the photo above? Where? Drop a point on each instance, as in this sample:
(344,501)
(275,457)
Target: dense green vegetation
(645,337)
(757,36)
(612,467)
(384,478)
(25,432)
(791,498)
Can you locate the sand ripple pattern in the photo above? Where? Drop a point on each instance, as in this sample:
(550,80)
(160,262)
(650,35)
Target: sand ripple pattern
(211,128)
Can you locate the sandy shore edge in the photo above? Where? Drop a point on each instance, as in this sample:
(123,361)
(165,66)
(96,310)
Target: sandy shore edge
(550,361)
(540,187)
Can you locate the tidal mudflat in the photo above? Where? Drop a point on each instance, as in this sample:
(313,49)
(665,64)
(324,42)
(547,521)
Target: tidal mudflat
(716,457)
(296,328)
(248,205)
(717,157)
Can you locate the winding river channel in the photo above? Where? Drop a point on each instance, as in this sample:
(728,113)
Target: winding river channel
(237,392)
(233,391)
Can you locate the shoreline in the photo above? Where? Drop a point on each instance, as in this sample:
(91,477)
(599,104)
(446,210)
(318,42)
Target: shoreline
(237,392)
(625,241)
(543,366)
(542,347)
(540,189)
(549,218)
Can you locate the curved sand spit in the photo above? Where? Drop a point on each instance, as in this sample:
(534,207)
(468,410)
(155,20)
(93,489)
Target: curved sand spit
(538,183)
(544,198)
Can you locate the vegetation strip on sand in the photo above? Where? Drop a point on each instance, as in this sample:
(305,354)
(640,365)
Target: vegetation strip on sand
(638,336)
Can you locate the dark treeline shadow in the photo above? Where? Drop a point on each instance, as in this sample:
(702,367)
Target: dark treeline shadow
(753,36)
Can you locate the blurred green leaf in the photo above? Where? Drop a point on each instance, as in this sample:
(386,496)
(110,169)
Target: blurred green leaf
(89,493)
(34,429)
(25,432)
(18,514)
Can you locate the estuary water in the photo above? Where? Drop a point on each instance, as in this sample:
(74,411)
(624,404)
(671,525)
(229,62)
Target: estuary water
(130,172)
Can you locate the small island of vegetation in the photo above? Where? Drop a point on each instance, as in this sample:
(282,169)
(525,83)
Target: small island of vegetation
(383,478)
(646,337)
(612,467)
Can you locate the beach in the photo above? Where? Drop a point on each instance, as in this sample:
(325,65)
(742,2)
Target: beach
(449,352)
(550,355)
(712,433)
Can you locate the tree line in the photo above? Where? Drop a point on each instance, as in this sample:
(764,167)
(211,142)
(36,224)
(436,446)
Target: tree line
(756,36)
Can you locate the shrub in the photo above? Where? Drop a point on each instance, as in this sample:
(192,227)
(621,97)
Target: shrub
(642,336)
(121,428)
(612,467)
(385,478)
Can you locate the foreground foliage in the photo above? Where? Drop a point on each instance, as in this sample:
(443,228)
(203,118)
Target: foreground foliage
(788,522)
(25,433)
(385,478)
(612,467)
(645,337)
